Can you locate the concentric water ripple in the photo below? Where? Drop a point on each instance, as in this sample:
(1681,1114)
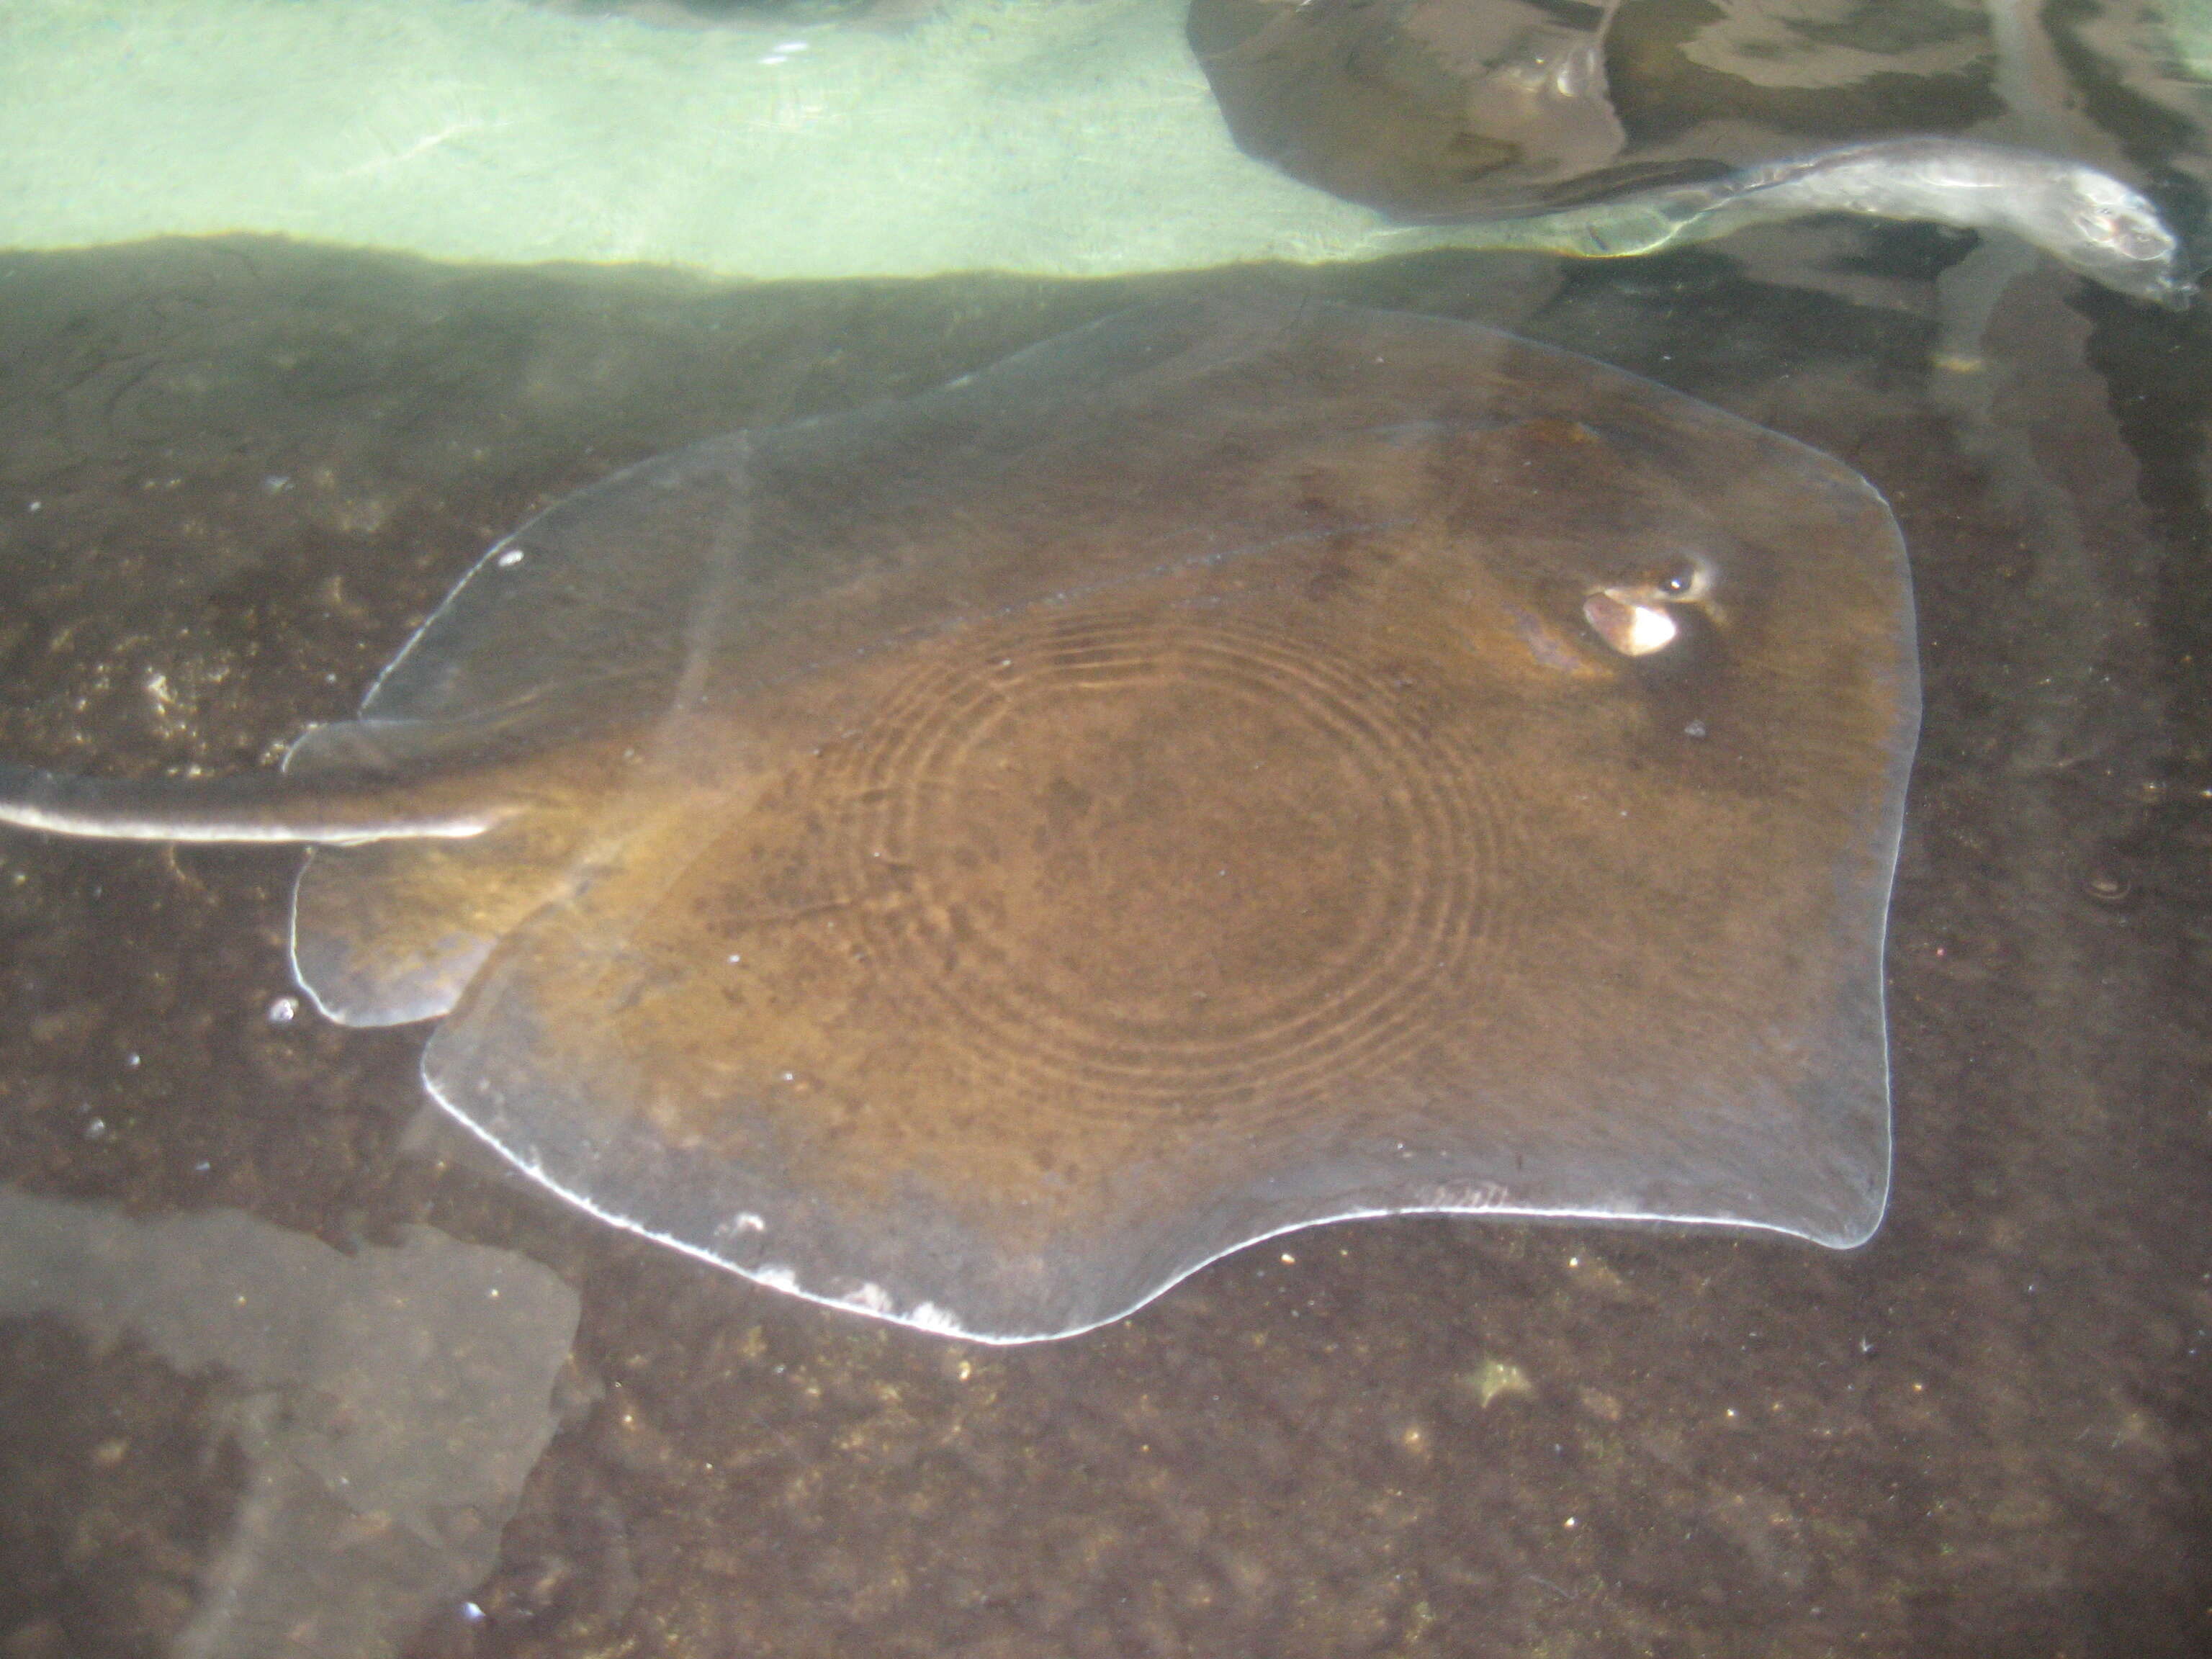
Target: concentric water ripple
(1356,852)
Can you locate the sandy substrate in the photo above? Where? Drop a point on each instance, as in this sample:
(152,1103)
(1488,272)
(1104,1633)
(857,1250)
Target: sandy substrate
(1024,135)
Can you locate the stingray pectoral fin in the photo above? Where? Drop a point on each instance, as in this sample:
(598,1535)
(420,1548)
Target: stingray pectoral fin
(333,809)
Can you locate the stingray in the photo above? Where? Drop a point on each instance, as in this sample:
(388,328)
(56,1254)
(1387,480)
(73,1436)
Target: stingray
(1605,130)
(1239,765)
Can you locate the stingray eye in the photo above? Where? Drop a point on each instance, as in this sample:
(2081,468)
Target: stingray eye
(1686,578)
(1631,627)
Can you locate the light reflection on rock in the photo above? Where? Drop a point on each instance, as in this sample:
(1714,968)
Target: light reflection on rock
(390,1403)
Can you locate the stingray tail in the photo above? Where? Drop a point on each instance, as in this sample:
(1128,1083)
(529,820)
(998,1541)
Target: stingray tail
(268,807)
